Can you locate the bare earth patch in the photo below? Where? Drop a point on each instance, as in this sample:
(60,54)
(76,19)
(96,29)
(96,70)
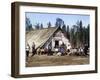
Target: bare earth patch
(44,60)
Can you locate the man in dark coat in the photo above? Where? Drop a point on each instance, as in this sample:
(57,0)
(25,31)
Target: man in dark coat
(33,49)
(49,50)
(86,49)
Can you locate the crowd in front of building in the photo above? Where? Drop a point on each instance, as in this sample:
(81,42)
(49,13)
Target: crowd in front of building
(59,50)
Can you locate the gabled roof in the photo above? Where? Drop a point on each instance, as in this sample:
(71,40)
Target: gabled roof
(40,36)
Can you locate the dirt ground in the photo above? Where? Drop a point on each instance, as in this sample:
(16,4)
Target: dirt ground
(44,60)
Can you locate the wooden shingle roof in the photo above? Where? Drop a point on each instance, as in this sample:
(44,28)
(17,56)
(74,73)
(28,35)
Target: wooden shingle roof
(40,36)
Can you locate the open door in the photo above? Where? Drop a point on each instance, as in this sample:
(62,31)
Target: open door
(56,43)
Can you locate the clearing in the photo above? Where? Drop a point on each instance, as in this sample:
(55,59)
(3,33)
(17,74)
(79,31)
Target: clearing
(44,60)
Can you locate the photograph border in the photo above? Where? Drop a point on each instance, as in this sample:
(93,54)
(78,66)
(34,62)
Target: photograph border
(15,32)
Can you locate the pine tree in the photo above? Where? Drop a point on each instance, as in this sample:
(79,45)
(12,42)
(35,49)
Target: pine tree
(41,26)
(49,24)
(37,26)
(28,24)
(64,28)
(68,32)
(59,22)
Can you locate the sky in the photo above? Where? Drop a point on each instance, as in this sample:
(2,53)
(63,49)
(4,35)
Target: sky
(44,18)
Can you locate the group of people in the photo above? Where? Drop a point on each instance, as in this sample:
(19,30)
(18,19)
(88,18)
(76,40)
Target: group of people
(84,50)
(61,49)
(79,51)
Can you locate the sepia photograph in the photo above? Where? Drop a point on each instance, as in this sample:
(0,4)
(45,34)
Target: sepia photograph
(56,39)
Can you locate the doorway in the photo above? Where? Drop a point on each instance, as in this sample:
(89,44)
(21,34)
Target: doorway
(56,43)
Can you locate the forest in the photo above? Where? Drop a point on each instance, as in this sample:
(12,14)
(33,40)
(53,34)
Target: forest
(77,34)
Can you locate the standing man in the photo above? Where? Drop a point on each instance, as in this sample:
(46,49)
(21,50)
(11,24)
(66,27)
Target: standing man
(33,49)
(49,50)
(27,50)
(85,49)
